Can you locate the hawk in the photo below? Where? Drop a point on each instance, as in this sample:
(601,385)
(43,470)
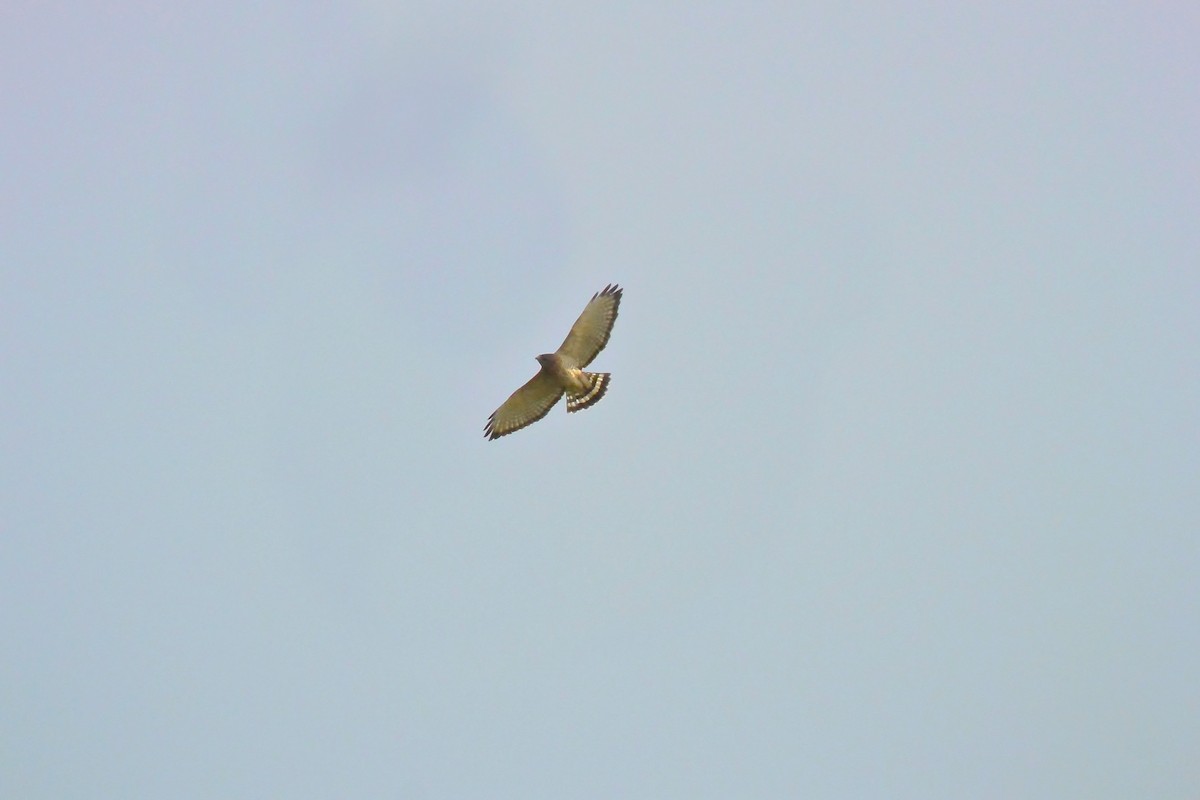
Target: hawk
(562,371)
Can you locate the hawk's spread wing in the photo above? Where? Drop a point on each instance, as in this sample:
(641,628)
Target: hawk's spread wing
(525,406)
(590,332)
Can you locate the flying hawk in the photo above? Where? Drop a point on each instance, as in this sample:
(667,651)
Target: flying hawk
(562,371)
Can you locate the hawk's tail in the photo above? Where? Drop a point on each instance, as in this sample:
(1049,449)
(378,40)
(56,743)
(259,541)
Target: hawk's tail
(598,385)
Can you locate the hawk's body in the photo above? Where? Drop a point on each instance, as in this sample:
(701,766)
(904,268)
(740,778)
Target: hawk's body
(562,371)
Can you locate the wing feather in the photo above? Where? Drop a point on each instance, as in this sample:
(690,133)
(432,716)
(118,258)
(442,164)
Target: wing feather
(525,406)
(590,332)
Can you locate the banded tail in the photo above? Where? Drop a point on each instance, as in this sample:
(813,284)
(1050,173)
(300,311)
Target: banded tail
(598,385)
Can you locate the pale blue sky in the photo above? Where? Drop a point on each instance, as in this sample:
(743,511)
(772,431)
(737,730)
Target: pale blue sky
(894,493)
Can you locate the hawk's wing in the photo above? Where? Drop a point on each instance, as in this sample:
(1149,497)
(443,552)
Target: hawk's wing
(525,406)
(590,332)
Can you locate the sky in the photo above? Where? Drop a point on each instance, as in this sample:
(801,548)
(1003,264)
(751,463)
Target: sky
(893,493)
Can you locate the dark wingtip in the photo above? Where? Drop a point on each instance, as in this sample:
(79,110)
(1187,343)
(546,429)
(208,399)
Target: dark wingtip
(610,290)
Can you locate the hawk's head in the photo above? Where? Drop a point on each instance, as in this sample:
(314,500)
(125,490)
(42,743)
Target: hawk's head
(547,360)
